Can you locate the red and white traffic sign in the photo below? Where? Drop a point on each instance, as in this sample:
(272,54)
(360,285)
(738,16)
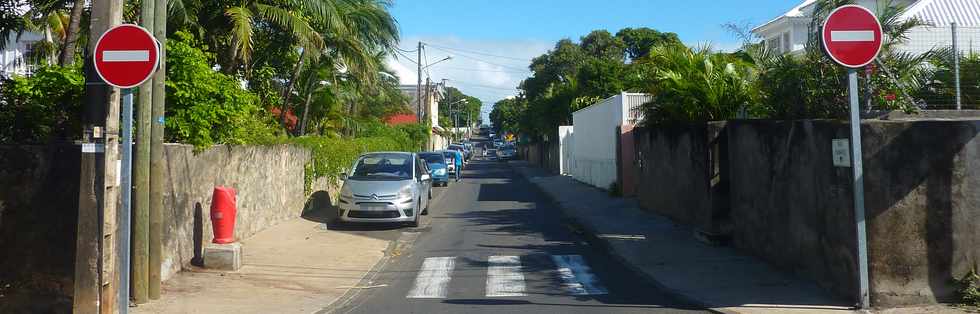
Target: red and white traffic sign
(852,36)
(126,56)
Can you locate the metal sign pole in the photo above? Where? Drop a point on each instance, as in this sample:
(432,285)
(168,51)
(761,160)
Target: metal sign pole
(126,185)
(857,169)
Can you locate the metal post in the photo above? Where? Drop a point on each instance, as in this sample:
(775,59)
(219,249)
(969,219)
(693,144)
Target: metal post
(126,189)
(956,67)
(857,169)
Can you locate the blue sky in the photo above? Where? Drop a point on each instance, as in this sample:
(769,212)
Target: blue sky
(469,30)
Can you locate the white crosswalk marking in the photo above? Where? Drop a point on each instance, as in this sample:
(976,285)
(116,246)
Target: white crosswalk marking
(505,277)
(433,278)
(576,276)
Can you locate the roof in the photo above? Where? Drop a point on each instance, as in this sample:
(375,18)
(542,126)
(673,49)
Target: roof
(796,11)
(405,118)
(944,12)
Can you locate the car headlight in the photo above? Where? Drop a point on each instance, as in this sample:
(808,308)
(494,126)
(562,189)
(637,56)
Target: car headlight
(406,192)
(346,193)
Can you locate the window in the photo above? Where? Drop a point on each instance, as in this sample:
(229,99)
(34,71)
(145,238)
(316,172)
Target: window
(774,44)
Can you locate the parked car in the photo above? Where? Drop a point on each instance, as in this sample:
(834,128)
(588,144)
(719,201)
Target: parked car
(506,152)
(439,167)
(454,161)
(386,187)
(491,153)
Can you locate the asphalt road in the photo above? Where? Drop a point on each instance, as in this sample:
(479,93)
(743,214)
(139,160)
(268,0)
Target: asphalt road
(493,244)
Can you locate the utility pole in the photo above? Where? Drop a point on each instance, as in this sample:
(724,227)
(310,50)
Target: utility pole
(156,151)
(418,87)
(96,280)
(449,97)
(956,67)
(141,212)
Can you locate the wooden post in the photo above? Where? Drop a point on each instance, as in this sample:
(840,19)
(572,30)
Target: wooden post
(96,280)
(141,210)
(157,174)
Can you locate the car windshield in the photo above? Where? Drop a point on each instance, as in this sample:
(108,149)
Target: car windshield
(449,156)
(433,158)
(383,167)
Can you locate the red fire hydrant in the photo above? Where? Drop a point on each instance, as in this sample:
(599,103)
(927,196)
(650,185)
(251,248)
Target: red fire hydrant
(223,210)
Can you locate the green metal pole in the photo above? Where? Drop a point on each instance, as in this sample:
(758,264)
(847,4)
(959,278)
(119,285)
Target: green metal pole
(157,174)
(140,217)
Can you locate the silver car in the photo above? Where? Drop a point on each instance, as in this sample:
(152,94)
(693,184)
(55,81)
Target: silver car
(386,187)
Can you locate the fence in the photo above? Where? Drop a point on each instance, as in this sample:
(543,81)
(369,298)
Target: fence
(956,83)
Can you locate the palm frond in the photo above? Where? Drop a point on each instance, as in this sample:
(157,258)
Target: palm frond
(241,31)
(294,23)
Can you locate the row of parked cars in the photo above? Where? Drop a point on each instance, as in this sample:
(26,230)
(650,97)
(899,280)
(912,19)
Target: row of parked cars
(396,187)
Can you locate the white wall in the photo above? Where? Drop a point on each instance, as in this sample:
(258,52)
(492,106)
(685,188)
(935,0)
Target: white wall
(566,146)
(595,142)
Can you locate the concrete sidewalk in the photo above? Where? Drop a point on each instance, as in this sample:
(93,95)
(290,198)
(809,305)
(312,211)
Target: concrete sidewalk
(718,278)
(297,266)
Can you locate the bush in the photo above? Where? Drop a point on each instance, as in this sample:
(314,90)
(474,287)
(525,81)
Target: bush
(698,85)
(42,108)
(206,107)
(331,156)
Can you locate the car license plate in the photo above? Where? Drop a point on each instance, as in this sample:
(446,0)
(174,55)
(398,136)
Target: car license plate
(374,207)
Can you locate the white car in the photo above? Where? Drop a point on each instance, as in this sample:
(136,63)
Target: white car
(386,187)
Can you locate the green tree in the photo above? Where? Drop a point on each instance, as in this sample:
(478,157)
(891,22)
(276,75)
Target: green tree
(42,108)
(639,41)
(603,45)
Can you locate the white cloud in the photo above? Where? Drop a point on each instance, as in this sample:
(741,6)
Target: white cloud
(475,68)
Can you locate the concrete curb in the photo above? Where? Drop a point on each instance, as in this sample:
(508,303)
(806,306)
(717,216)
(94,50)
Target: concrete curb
(592,237)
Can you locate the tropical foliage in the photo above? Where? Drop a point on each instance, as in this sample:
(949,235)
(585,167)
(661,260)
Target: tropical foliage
(42,108)
(699,84)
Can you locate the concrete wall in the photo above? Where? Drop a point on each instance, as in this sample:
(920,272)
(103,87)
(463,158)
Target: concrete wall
(38,214)
(791,206)
(595,142)
(269,181)
(679,176)
(566,145)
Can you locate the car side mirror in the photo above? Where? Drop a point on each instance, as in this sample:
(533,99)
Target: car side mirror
(425,177)
(343,176)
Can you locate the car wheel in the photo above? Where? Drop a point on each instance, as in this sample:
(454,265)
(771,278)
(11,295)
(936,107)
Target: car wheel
(415,223)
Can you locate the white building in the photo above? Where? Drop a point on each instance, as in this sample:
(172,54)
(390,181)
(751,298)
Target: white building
(788,33)
(13,58)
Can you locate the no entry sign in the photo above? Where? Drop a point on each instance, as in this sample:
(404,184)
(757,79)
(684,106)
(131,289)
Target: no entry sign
(852,36)
(126,56)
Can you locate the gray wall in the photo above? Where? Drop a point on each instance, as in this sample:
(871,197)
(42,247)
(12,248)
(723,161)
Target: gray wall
(680,176)
(791,206)
(38,213)
(39,204)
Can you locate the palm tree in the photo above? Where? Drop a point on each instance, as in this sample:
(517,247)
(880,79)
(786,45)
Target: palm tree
(356,42)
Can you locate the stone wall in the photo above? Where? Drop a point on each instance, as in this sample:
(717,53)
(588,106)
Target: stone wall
(269,181)
(38,213)
(792,207)
(39,204)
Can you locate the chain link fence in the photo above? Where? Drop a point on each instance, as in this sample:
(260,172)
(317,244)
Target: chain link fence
(956,81)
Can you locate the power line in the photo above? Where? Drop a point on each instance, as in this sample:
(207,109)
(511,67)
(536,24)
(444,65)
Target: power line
(479,53)
(403,50)
(483,70)
(485,61)
(406,57)
(482,86)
